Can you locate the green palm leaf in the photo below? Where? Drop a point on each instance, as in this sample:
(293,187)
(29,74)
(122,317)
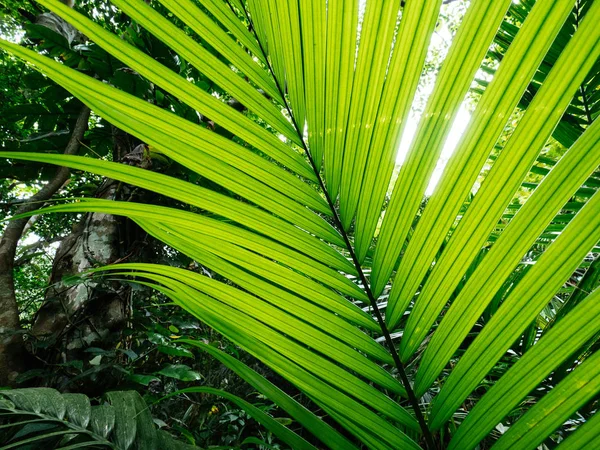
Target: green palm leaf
(517,238)
(585,436)
(297,229)
(503,181)
(555,408)
(529,371)
(489,119)
(316,426)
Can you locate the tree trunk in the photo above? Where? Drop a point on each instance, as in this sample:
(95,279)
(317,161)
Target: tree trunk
(76,316)
(11,342)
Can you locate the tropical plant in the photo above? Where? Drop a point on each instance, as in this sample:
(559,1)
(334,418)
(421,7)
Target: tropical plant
(44,418)
(300,233)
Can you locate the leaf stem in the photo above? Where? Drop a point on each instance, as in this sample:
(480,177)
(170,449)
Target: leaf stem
(388,339)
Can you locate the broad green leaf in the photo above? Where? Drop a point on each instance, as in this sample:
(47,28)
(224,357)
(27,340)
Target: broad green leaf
(180,372)
(102,419)
(78,409)
(125,418)
(142,379)
(67,421)
(146,437)
(40,401)
(175,351)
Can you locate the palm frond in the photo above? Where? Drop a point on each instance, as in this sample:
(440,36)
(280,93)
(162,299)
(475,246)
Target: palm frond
(327,92)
